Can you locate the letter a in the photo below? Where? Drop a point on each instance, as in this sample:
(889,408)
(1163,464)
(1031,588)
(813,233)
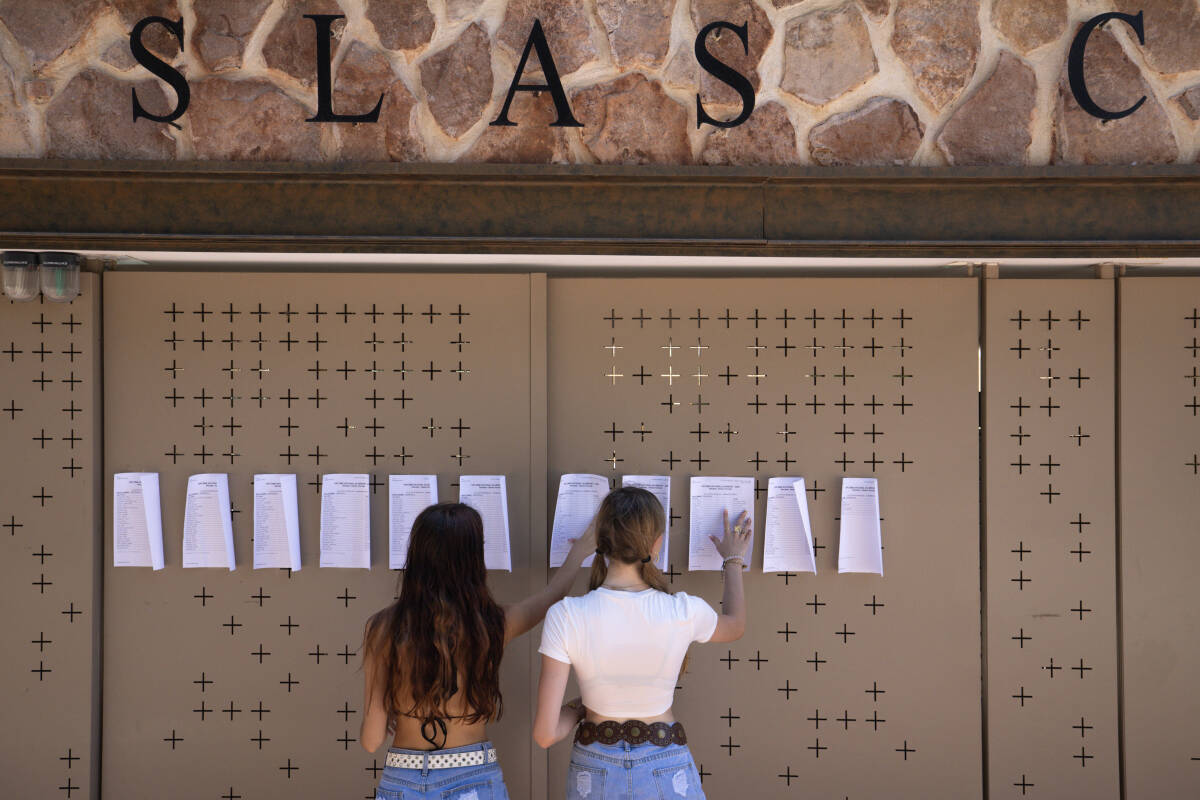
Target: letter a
(537,38)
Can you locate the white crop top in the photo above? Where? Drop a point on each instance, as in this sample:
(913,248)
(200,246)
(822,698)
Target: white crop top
(626,647)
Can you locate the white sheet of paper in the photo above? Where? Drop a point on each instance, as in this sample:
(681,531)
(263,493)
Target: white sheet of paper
(408,496)
(787,538)
(579,496)
(710,497)
(660,487)
(860,542)
(208,523)
(488,494)
(276,523)
(137,520)
(346,521)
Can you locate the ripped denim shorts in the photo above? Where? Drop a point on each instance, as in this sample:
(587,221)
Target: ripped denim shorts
(623,771)
(482,782)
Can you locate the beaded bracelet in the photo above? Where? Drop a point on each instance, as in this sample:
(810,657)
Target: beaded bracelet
(740,559)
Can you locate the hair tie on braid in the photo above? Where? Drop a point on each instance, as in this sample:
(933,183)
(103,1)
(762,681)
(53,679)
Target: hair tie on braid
(646,560)
(599,552)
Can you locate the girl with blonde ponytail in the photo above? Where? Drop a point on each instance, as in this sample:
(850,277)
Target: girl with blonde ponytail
(627,639)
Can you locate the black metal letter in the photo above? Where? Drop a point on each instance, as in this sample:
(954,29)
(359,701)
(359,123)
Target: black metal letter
(1075,64)
(724,73)
(537,39)
(160,68)
(325,113)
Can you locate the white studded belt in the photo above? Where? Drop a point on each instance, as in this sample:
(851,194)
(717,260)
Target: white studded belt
(470,758)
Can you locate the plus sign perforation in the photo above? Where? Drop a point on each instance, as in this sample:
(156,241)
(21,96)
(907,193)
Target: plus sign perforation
(822,379)
(311,374)
(1051,476)
(50,394)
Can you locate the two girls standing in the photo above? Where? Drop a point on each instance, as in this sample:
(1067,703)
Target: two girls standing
(431,659)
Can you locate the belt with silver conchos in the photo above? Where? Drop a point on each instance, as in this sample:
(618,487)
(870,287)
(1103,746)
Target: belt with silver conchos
(435,760)
(633,731)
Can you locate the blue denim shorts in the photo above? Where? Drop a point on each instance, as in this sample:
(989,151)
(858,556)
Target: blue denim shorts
(483,782)
(632,772)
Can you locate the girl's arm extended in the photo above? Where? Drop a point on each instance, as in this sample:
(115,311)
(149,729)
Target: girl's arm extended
(554,721)
(521,617)
(732,624)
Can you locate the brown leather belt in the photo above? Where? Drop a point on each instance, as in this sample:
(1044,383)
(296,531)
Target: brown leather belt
(632,731)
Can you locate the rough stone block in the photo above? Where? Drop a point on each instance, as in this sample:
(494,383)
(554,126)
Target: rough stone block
(994,126)
(458,81)
(639,31)
(938,40)
(882,132)
(826,54)
(46,28)
(90,119)
(766,139)
(1029,24)
(632,121)
(402,24)
(250,120)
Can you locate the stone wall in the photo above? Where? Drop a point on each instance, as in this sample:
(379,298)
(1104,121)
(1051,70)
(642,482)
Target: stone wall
(839,82)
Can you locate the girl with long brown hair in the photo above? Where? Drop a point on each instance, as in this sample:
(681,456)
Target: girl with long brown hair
(431,661)
(627,640)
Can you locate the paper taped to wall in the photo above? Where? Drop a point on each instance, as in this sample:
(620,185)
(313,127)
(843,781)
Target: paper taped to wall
(346,521)
(579,496)
(787,538)
(860,542)
(488,494)
(276,523)
(710,497)
(137,520)
(208,523)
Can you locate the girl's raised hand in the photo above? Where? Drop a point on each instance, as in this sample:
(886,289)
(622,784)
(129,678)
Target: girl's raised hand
(737,538)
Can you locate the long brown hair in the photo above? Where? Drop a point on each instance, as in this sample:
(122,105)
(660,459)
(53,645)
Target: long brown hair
(629,521)
(444,627)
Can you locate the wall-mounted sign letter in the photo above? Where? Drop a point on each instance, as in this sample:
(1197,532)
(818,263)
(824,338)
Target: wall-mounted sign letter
(724,73)
(325,113)
(160,68)
(553,84)
(1075,64)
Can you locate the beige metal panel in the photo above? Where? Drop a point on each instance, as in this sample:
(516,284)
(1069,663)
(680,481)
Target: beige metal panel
(789,709)
(1160,439)
(1051,590)
(50,391)
(227,682)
